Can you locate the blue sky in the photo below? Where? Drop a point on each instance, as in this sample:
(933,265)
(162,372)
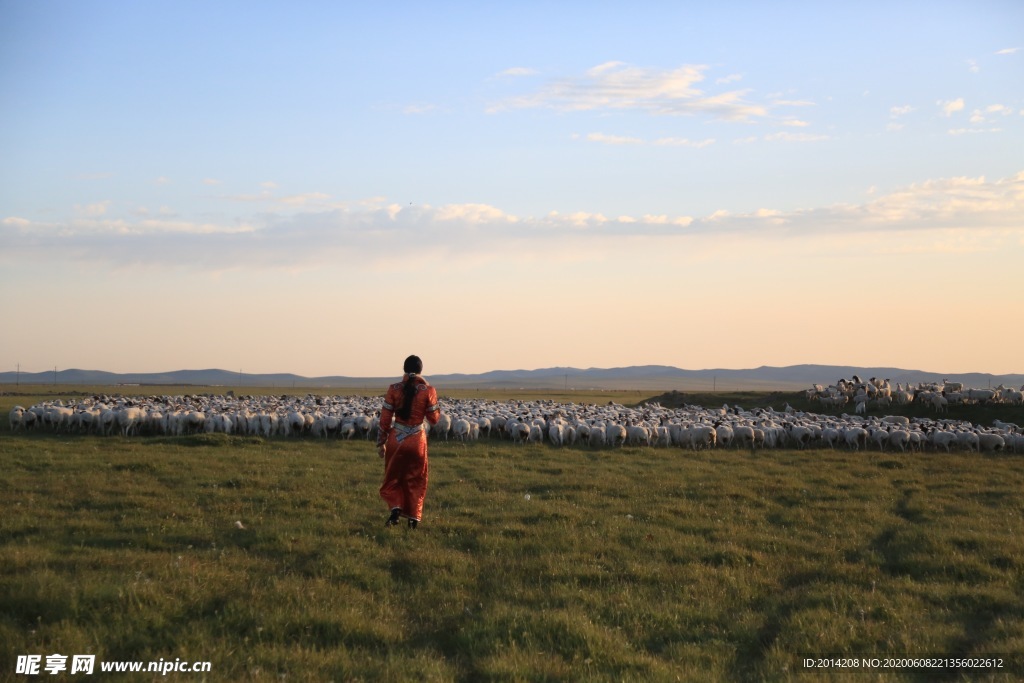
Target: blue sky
(323,188)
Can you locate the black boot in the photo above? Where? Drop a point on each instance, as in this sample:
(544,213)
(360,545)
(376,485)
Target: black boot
(413,523)
(393,519)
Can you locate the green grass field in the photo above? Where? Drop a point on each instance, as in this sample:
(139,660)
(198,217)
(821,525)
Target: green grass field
(532,563)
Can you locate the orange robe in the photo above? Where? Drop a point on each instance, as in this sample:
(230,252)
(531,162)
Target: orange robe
(405,442)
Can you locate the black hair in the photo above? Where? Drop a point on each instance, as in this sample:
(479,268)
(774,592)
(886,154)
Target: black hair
(412,367)
(413,364)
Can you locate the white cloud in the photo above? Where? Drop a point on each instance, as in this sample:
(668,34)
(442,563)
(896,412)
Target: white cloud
(1008,51)
(731,78)
(794,103)
(614,139)
(664,219)
(896,112)
(795,137)
(162,180)
(619,86)
(211,181)
(518,71)
(999,109)
(950,107)
(795,123)
(304,199)
(373,236)
(474,214)
(684,142)
(973,131)
(972,65)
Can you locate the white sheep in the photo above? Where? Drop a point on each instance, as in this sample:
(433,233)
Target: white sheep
(1013,396)
(983,396)
(941,439)
(1005,426)
(638,435)
(830,436)
(556,433)
(800,435)
(855,437)
(703,436)
(615,434)
(879,436)
(443,427)
(16,418)
(724,435)
(968,440)
(990,443)
(743,436)
(460,429)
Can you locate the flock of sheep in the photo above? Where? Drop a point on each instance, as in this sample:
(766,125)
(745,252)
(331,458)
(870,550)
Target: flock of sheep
(589,425)
(935,395)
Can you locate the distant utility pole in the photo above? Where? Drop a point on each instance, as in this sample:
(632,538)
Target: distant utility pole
(54,375)
(17,377)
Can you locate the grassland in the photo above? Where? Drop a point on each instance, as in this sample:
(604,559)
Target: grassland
(532,563)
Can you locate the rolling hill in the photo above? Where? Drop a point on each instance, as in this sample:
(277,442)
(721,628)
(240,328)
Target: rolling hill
(647,377)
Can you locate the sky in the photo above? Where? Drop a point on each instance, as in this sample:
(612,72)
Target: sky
(325,188)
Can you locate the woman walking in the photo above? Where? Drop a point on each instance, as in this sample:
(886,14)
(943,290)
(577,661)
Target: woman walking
(402,442)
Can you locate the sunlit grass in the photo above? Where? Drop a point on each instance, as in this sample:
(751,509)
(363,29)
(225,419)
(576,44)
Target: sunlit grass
(532,563)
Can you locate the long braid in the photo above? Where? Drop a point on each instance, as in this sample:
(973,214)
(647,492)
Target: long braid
(408,393)
(413,366)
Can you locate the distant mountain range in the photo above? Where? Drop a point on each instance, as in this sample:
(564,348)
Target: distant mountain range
(643,377)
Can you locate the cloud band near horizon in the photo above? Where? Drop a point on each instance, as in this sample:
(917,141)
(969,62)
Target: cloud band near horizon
(373,234)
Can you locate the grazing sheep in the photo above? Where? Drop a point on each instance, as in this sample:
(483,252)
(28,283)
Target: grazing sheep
(703,436)
(968,441)
(536,434)
(443,427)
(855,438)
(983,396)
(1013,397)
(800,435)
(638,435)
(941,439)
(990,443)
(830,436)
(461,430)
(615,434)
(724,435)
(17,418)
(556,434)
(608,425)
(743,436)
